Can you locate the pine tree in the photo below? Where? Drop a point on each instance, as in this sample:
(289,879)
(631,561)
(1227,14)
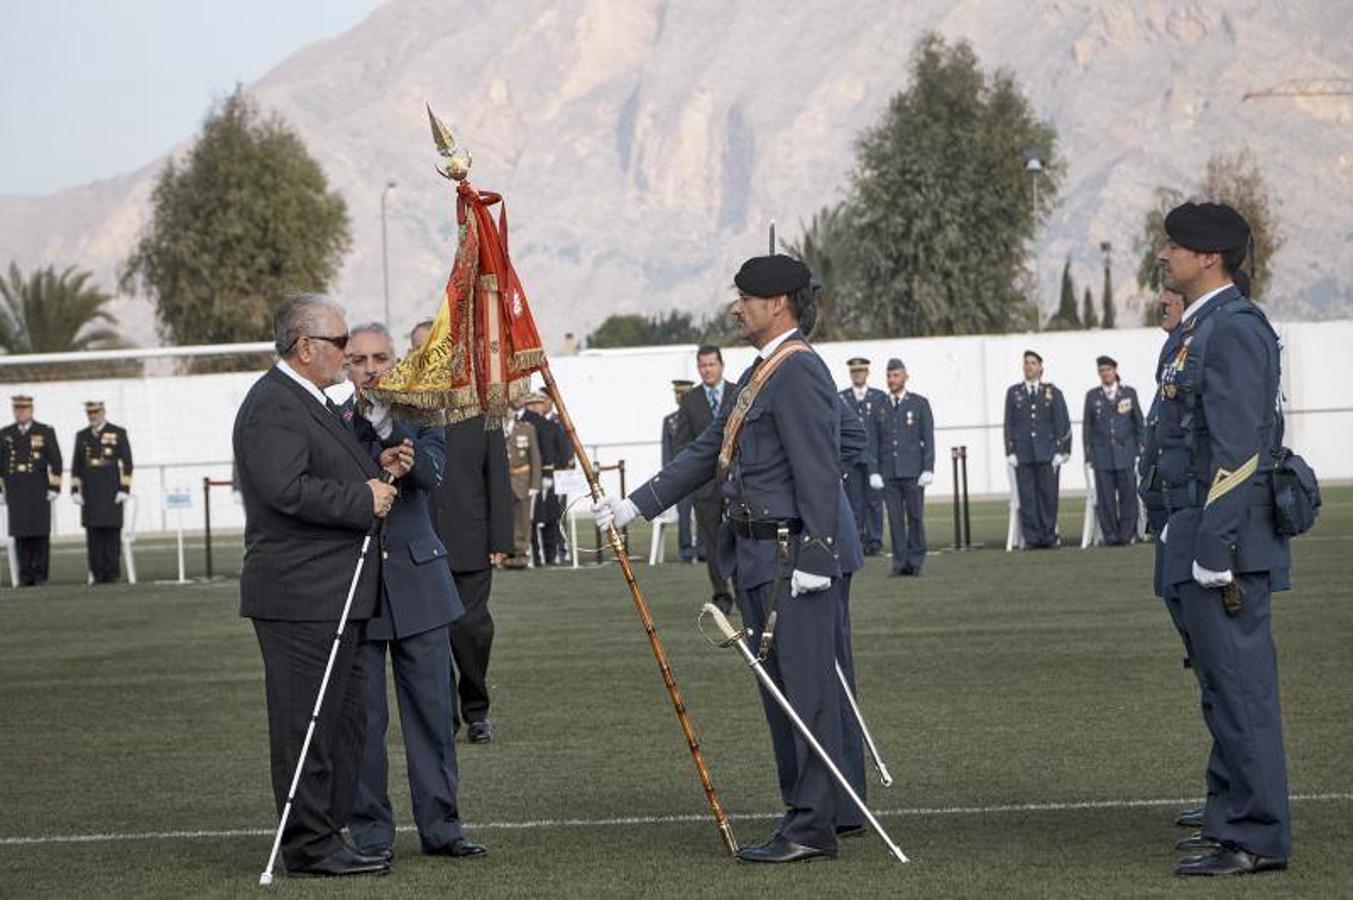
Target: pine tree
(1106,296)
(1066,318)
(1088,317)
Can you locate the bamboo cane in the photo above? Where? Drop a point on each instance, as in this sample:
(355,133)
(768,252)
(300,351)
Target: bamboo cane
(613,539)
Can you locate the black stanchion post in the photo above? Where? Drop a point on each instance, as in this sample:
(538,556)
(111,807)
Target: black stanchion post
(624,532)
(206,515)
(958,535)
(967,520)
(597,544)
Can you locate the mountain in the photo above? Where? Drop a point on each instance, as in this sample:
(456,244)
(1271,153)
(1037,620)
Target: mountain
(645,146)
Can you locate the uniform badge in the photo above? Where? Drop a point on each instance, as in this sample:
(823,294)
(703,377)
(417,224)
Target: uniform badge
(1125,406)
(911,417)
(1170,390)
(523,442)
(1047,394)
(36,442)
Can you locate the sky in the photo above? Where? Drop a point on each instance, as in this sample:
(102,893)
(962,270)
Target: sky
(96,88)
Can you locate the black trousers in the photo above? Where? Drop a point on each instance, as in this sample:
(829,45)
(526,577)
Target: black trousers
(905,499)
(1037,483)
(294,656)
(546,536)
(427,704)
(708,517)
(34,554)
(1116,504)
(471,642)
(867,506)
(690,549)
(104,546)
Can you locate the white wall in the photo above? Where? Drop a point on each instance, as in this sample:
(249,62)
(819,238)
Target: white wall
(180,426)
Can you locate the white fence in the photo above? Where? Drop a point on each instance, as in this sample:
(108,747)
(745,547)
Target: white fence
(180,426)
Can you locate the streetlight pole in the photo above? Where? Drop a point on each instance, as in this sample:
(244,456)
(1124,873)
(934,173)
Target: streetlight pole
(1034,166)
(385,252)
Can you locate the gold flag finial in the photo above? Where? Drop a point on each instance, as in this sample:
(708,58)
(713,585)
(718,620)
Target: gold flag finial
(458,160)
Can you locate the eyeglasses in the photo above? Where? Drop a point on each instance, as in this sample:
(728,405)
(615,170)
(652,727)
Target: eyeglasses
(341,341)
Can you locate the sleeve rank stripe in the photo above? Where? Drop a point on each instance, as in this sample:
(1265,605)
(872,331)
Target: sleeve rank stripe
(1225,482)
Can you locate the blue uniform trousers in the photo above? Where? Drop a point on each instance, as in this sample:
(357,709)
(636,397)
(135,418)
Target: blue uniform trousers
(1237,668)
(1037,484)
(803,663)
(905,499)
(689,549)
(422,667)
(851,763)
(866,505)
(1116,504)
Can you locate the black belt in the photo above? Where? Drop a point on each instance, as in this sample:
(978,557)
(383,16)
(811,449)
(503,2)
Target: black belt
(763,529)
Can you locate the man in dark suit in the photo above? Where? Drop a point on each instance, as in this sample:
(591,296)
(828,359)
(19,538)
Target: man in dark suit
(418,603)
(690,550)
(472,511)
(1111,431)
(310,492)
(30,466)
(100,482)
(708,399)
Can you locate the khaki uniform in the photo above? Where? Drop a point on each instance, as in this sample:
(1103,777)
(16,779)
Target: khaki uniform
(524,471)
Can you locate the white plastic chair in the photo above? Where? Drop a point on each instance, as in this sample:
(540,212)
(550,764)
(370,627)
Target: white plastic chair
(1014,535)
(129,536)
(11,551)
(657,545)
(1091,534)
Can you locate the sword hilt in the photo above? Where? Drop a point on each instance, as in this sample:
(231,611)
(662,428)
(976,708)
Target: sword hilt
(730,634)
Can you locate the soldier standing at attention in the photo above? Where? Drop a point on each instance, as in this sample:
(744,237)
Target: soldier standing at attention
(864,485)
(904,446)
(30,466)
(1037,443)
(1218,427)
(1111,430)
(100,482)
(524,470)
(776,459)
(690,550)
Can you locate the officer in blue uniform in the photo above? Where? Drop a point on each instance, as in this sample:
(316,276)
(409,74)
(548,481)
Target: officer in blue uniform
(100,483)
(1111,431)
(904,446)
(864,485)
(690,550)
(1037,443)
(418,604)
(776,456)
(30,474)
(1217,427)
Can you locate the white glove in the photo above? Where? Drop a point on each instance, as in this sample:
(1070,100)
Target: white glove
(1012,460)
(615,511)
(78,498)
(120,498)
(876,481)
(546,483)
(807,583)
(1209,579)
(379,417)
(52,495)
(1058,459)
(925,479)
(1164,531)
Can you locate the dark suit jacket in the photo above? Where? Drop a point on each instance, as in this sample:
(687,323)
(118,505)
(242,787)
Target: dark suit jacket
(694,416)
(303,478)
(472,508)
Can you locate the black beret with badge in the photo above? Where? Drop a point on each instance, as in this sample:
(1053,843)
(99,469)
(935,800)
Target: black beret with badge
(771,276)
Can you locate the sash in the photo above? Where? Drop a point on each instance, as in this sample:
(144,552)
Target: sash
(747,396)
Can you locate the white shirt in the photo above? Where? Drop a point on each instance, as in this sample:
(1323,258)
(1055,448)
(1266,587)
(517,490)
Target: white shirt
(1111,391)
(774,343)
(713,395)
(310,387)
(1031,387)
(898,398)
(1197,304)
(860,392)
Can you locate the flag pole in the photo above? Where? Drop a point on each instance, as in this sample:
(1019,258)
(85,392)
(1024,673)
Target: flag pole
(617,545)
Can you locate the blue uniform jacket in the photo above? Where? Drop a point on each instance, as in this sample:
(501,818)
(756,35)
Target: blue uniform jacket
(854,450)
(904,437)
(418,593)
(873,397)
(669,431)
(1038,429)
(1218,426)
(1112,430)
(787,467)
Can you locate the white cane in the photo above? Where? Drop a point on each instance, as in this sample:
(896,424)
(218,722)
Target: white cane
(735,638)
(266,877)
(885,779)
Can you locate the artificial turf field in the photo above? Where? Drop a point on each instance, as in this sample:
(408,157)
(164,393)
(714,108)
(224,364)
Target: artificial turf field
(1031,706)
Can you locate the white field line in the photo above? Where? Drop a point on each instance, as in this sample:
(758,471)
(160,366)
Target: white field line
(921,811)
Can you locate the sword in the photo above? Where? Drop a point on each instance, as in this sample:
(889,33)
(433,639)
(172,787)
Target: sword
(735,638)
(874,756)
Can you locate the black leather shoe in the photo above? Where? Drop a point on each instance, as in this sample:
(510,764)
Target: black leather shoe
(1230,861)
(780,850)
(849,831)
(1198,841)
(1190,818)
(459,848)
(724,602)
(341,863)
(480,732)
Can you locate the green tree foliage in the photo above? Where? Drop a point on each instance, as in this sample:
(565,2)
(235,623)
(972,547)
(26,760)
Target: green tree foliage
(1066,317)
(942,209)
(645,331)
(246,218)
(1088,317)
(825,248)
(49,312)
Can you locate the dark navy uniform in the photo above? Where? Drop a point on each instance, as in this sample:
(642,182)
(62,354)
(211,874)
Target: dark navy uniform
(904,445)
(1037,428)
(866,504)
(689,550)
(787,470)
(30,466)
(1216,430)
(101,476)
(1111,432)
(850,555)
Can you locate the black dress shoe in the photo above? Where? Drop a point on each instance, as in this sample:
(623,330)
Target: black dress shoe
(459,848)
(480,732)
(1190,818)
(1230,861)
(849,831)
(724,602)
(1198,841)
(780,850)
(340,863)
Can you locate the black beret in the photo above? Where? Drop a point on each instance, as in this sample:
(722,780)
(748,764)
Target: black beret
(1033,354)
(856,362)
(1207,227)
(1106,361)
(771,276)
